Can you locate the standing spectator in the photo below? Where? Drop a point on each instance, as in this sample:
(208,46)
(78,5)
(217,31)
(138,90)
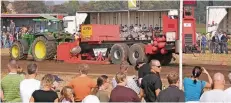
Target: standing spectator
(4,40)
(83,84)
(67,95)
(172,93)
(224,40)
(216,39)
(11,39)
(203,43)
(151,84)
(217,94)
(100,90)
(121,93)
(12,27)
(193,87)
(29,85)
(228,90)
(91,99)
(46,94)
(142,68)
(220,42)
(131,80)
(10,83)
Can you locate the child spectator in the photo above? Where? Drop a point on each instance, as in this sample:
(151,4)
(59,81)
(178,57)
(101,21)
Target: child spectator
(21,72)
(100,90)
(67,95)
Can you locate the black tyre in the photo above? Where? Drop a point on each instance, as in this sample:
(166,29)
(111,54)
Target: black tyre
(43,49)
(136,52)
(118,53)
(165,59)
(16,51)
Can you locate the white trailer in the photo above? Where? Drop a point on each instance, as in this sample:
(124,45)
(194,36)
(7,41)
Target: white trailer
(73,22)
(218,18)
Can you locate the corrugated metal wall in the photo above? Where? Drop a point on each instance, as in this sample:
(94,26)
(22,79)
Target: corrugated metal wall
(117,18)
(225,24)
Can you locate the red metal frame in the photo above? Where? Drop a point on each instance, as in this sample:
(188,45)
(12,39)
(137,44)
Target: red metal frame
(63,53)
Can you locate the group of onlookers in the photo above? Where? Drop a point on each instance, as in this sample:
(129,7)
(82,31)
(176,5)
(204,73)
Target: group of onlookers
(217,42)
(11,33)
(20,87)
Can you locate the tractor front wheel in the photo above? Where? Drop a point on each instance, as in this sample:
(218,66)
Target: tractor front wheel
(16,51)
(43,49)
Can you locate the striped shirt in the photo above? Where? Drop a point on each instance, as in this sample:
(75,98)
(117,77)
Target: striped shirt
(10,85)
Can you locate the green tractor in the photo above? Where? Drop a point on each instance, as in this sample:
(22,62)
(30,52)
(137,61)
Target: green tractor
(42,42)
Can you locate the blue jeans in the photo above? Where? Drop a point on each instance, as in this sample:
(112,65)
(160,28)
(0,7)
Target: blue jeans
(225,47)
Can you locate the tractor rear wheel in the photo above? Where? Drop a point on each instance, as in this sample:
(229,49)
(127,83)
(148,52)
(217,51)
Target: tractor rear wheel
(119,53)
(43,49)
(136,52)
(16,51)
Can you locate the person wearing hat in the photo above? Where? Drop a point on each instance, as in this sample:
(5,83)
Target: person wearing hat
(56,83)
(142,68)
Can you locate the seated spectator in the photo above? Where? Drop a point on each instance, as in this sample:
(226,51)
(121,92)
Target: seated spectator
(91,99)
(29,85)
(100,90)
(193,87)
(67,95)
(151,84)
(10,83)
(172,93)
(121,93)
(83,84)
(131,80)
(46,94)
(228,90)
(217,94)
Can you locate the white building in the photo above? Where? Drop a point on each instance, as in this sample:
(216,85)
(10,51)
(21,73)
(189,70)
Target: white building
(218,17)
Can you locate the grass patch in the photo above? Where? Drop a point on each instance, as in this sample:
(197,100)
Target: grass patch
(201,28)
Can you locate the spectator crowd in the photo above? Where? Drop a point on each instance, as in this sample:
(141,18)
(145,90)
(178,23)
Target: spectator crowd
(18,86)
(217,42)
(11,33)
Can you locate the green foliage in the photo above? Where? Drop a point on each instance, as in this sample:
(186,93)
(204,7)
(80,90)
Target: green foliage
(3,7)
(30,7)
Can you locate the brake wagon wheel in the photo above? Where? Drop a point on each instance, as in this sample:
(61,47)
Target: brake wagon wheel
(43,49)
(16,51)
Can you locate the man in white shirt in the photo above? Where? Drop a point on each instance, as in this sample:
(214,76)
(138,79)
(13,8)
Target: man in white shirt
(217,94)
(228,90)
(29,85)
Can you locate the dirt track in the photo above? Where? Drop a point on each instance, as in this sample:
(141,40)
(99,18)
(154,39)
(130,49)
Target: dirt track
(213,63)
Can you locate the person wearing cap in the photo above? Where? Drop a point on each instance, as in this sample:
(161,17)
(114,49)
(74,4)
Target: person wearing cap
(29,85)
(142,68)
(151,84)
(83,84)
(56,83)
(131,80)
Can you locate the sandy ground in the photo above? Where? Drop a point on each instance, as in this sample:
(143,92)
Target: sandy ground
(212,62)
